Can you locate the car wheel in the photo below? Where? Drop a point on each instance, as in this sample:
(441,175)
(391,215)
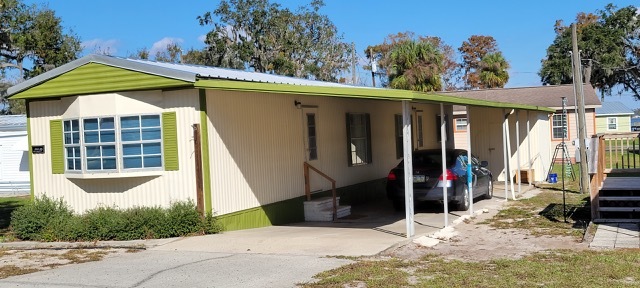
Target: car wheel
(398,205)
(463,205)
(489,194)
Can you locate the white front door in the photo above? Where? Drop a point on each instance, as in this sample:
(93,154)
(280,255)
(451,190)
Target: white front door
(311,150)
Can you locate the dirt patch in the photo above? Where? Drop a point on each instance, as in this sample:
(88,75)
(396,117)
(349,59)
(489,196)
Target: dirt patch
(17,262)
(478,242)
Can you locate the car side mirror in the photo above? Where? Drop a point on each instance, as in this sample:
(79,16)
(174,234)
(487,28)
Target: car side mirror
(484,163)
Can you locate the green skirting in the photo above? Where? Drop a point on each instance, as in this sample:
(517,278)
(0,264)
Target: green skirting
(292,210)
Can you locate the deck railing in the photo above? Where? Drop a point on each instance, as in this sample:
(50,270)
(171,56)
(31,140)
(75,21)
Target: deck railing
(622,150)
(307,186)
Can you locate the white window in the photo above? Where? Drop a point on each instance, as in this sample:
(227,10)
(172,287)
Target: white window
(559,126)
(612,123)
(359,139)
(312,142)
(461,124)
(100,144)
(71,138)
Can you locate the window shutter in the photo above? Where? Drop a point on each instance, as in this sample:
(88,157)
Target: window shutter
(170,141)
(57,147)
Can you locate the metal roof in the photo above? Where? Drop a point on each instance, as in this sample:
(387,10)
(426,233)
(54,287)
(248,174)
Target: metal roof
(61,82)
(547,96)
(13,122)
(613,108)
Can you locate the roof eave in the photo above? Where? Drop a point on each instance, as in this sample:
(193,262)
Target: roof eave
(106,60)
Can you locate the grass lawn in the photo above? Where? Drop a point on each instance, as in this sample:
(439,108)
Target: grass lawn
(541,215)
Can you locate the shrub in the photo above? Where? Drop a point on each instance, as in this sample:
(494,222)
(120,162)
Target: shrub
(41,219)
(182,219)
(46,219)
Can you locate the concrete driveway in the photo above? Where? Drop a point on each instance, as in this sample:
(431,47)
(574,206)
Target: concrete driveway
(278,256)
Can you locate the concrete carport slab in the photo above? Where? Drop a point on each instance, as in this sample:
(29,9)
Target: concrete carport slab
(370,229)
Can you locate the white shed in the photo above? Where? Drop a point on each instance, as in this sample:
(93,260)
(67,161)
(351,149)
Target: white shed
(14,157)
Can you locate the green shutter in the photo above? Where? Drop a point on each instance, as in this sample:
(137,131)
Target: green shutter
(57,147)
(170,141)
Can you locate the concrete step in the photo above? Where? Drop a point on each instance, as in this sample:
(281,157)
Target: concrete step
(326,215)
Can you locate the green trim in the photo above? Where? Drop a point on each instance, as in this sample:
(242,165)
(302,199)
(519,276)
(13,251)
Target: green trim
(94,78)
(57,147)
(358,92)
(170,141)
(283,212)
(206,161)
(26,104)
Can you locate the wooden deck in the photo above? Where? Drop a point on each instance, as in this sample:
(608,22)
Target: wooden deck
(621,183)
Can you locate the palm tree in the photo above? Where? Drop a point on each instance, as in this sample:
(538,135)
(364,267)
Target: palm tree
(493,71)
(416,65)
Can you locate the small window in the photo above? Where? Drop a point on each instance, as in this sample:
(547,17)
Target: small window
(71,137)
(612,123)
(461,124)
(559,126)
(420,134)
(359,139)
(399,136)
(311,136)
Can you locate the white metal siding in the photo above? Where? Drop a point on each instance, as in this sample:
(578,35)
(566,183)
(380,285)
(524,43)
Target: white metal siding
(14,163)
(257,146)
(84,194)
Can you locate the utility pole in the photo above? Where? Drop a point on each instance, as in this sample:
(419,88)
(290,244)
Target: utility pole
(577,82)
(373,67)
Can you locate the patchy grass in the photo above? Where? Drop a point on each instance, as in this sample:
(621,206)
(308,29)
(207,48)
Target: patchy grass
(619,268)
(77,256)
(544,214)
(12,270)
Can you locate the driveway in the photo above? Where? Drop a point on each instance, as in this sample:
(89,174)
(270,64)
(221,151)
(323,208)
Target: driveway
(277,256)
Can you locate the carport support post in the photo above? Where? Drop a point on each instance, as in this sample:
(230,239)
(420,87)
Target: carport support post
(519,176)
(408,166)
(504,154)
(443,140)
(469,163)
(529,149)
(506,119)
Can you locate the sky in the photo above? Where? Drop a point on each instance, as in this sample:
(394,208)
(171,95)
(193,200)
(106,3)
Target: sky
(522,29)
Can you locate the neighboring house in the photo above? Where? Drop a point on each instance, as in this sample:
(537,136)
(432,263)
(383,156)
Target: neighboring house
(547,96)
(613,117)
(635,123)
(14,160)
(123,132)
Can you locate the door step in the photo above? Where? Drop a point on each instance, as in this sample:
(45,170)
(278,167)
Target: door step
(322,210)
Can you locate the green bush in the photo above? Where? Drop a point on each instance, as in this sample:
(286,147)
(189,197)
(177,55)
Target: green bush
(40,219)
(46,219)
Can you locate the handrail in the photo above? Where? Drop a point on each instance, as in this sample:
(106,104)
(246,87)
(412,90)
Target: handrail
(307,186)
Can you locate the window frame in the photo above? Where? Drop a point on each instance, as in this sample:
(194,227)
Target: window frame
(457,126)
(615,128)
(554,126)
(365,120)
(118,144)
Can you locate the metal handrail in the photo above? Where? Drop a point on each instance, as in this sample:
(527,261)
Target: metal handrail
(307,186)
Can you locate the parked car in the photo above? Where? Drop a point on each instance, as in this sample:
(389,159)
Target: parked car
(428,180)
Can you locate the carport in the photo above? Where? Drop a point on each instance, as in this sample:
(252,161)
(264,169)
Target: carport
(506,111)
